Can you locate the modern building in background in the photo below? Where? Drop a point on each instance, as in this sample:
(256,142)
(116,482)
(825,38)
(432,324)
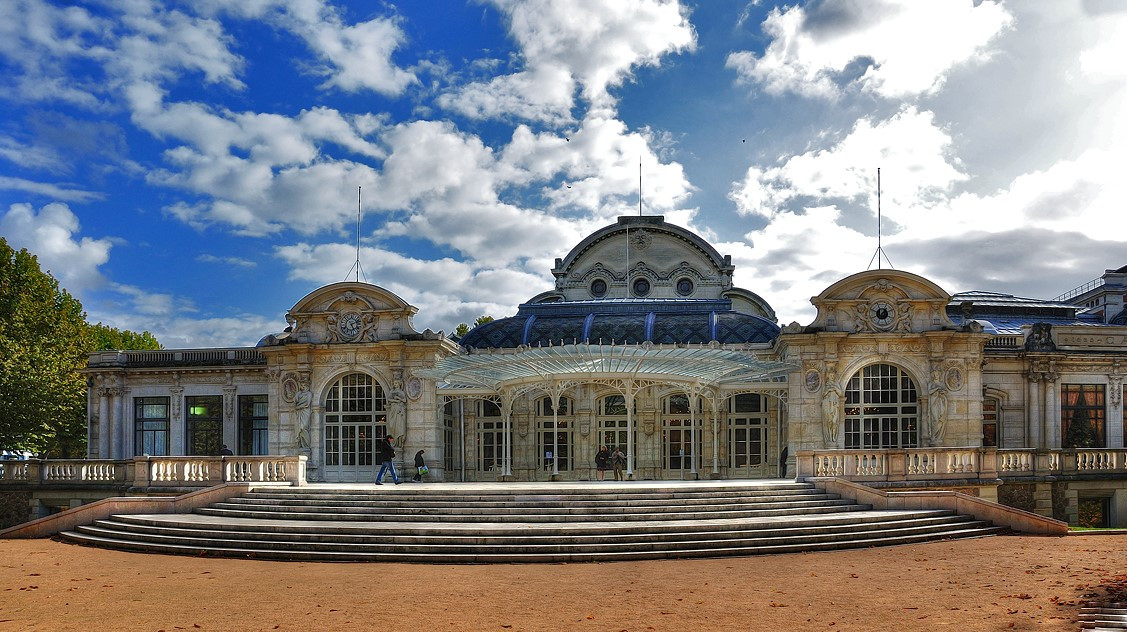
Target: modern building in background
(646,345)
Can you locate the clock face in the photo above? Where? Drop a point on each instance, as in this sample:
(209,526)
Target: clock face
(349,325)
(881,314)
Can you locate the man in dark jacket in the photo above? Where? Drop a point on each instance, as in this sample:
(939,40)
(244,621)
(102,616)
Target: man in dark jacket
(386,454)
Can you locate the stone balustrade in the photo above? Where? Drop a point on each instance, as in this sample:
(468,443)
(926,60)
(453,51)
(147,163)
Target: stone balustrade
(938,464)
(171,471)
(197,471)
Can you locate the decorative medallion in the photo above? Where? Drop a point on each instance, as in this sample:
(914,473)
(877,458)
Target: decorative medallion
(954,379)
(813,381)
(289,388)
(414,388)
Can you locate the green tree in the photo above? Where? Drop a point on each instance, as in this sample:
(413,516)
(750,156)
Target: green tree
(106,338)
(462,329)
(44,342)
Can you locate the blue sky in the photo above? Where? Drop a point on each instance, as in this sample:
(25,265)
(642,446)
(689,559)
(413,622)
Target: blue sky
(191,168)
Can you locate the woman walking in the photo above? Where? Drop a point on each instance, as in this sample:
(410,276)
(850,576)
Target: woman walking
(420,467)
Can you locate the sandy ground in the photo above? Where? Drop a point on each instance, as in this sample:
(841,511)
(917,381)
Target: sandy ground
(996,583)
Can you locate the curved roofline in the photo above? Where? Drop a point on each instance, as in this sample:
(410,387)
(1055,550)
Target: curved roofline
(889,273)
(651,222)
(754,298)
(362,290)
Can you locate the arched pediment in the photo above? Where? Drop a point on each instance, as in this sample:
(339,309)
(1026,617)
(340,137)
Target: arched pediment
(350,312)
(879,301)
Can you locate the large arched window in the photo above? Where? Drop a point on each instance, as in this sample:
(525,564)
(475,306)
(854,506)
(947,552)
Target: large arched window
(354,416)
(881,409)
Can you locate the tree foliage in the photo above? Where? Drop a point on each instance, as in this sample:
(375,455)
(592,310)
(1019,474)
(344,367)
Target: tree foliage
(106,338)
(44,341)
(462,329)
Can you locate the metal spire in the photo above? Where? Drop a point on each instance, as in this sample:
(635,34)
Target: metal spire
(880,251)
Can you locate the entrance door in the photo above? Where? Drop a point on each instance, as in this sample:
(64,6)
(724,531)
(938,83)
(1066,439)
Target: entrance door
(354,418)
(747,436)
(747,447)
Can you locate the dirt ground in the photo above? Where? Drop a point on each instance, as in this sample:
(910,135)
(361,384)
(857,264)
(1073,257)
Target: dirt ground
(996,583)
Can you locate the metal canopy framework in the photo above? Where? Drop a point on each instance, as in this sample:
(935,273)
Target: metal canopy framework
(693,367)
(707,373)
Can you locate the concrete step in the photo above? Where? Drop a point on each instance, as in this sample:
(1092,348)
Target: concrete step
(484,523)
(545,545)
(515,515)
(484,555)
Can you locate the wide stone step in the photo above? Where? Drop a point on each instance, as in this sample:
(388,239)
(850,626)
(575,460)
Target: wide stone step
(518,515)
(544,507)
(546,545)
(526,529)
(411,492)
(483,523)
(386,501)
(486,556)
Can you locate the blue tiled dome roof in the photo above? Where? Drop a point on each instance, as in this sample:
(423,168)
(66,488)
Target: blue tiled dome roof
(623,321)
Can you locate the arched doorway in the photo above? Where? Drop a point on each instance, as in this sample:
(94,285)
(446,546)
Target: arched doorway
(355,415)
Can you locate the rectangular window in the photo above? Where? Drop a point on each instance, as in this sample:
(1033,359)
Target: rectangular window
(989,422)
(253,424)
(557,448)
(150,423)
(1082,413)
(205,425)
(449,438)
(490,445)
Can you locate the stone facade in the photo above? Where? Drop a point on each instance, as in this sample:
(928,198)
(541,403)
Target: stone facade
(975,371)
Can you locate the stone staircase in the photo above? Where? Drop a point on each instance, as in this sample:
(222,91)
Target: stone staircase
(525,522)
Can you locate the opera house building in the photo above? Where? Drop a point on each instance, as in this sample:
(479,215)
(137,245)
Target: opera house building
(646,346)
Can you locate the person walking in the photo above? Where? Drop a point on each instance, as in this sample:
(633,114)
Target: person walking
(618,462)
(420,467)
(602,459)
(387,460)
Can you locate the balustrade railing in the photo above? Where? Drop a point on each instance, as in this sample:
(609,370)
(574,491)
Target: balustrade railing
(172,471)
(195,471)
(923,464)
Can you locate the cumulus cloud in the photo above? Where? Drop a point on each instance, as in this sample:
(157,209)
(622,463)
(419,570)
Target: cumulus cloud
(52,235)
(569,43)
(353,57)
(893,48)
(446,291)
(912,148)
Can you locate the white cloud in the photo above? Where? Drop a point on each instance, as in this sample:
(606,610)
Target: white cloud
(914,153)
(353,57)
(446,291)
(51,235)
(894,48)
(46,189)
(231,261)
(568,42)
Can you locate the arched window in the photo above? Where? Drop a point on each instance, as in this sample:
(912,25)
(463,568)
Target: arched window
(881,409)
(355,415)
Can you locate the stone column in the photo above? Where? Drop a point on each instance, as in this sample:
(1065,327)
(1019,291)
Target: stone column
(105,433)
(1115,418)
(116,423)
(176,429)
(230,431)
(1034,422)
(1052,412)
